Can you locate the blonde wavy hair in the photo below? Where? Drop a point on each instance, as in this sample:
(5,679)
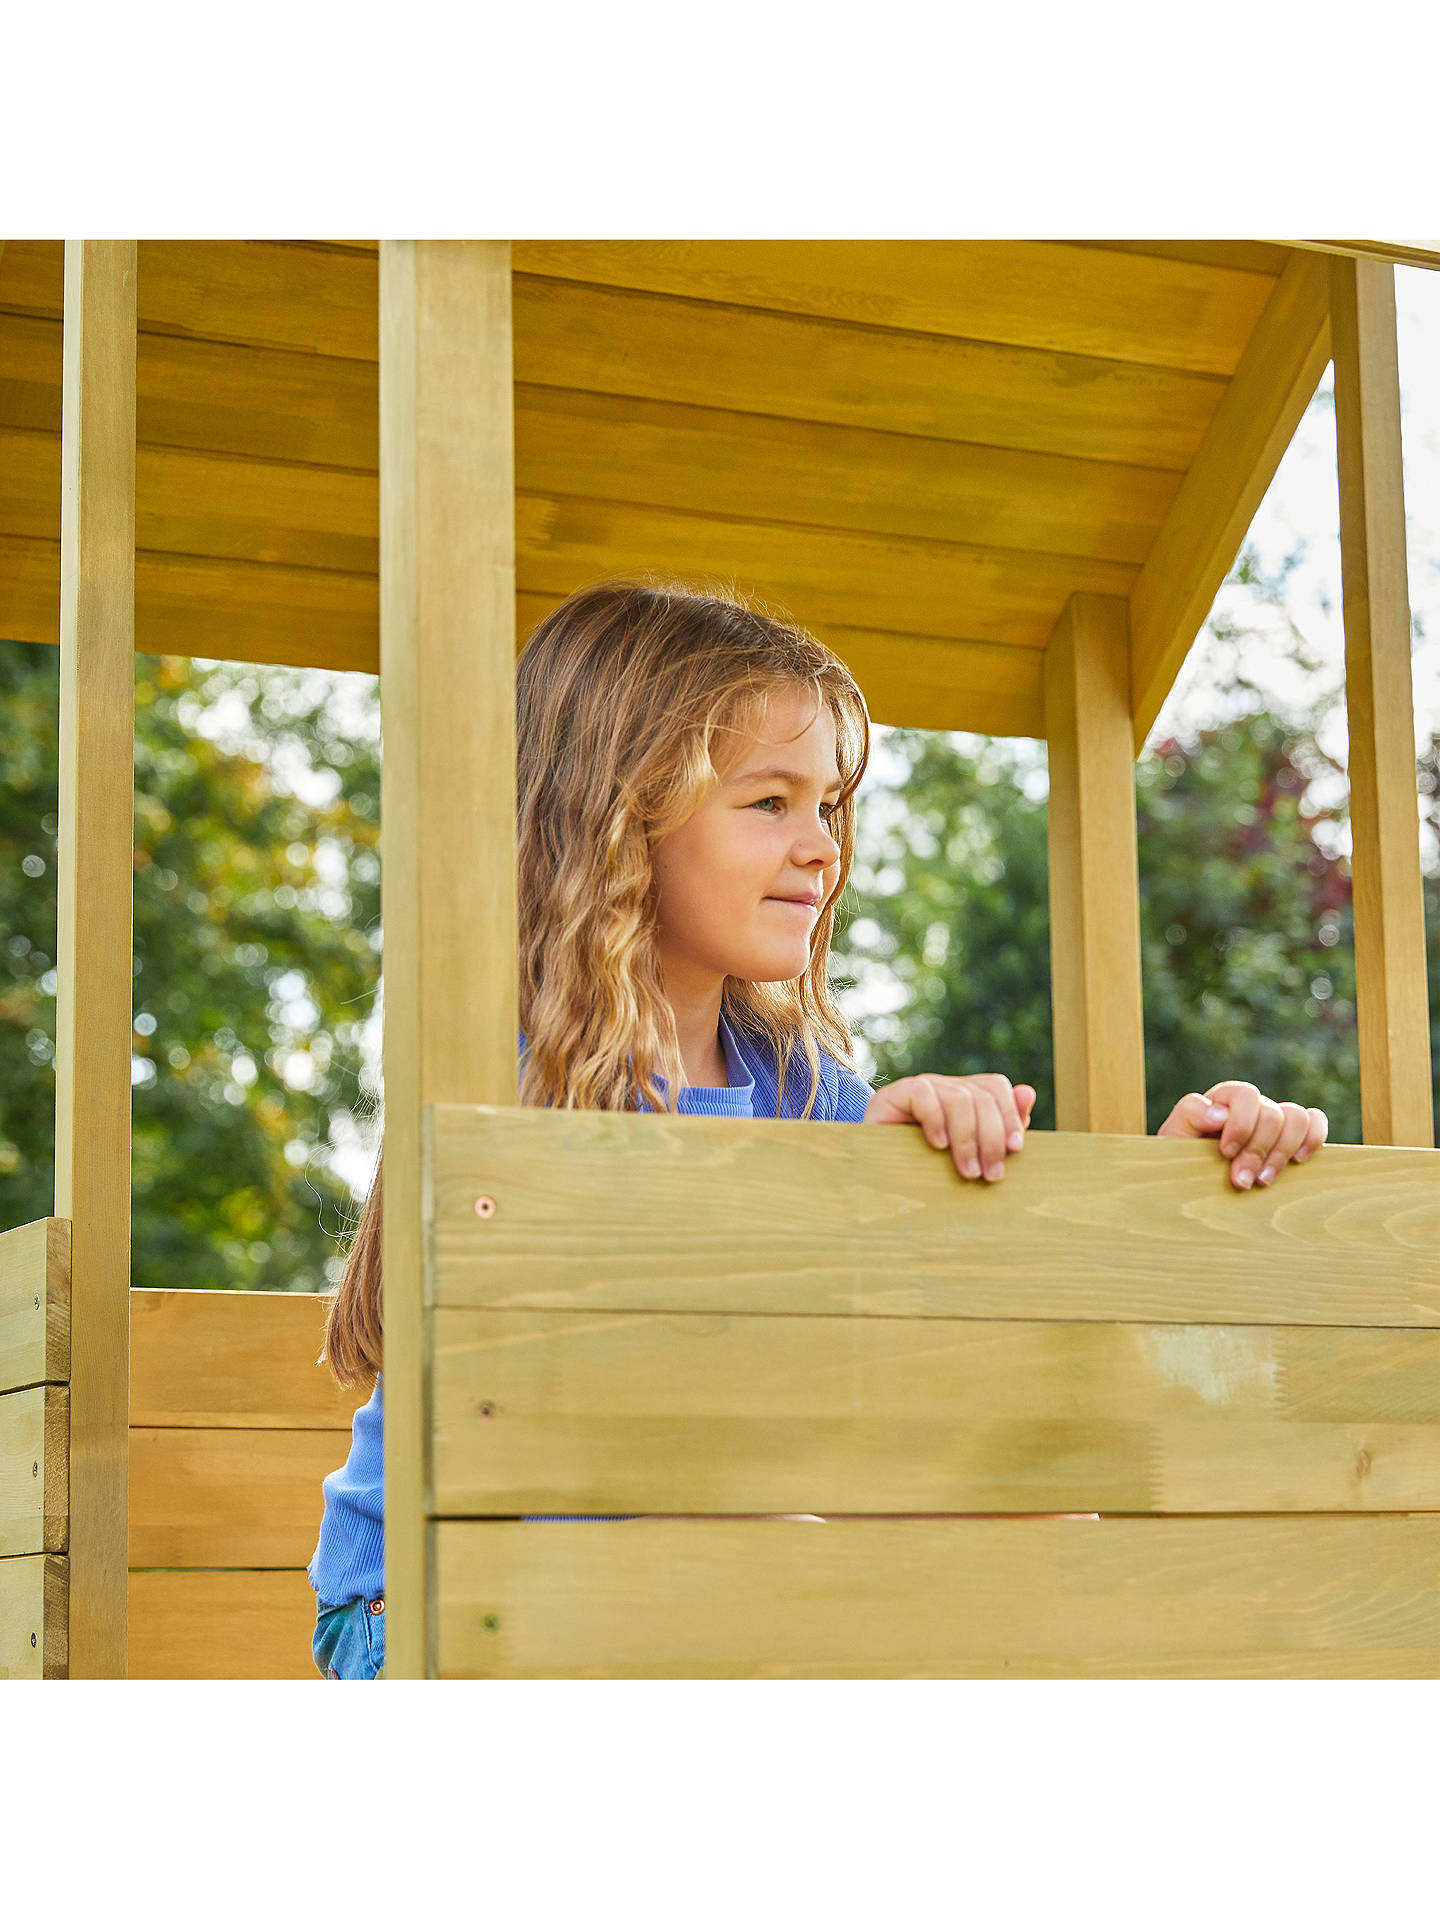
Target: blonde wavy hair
(633,697)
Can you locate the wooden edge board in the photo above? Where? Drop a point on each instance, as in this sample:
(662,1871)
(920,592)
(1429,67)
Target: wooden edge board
(910,1599)
(1226,482)
(34,1634)
(35,1304)
(639,1212)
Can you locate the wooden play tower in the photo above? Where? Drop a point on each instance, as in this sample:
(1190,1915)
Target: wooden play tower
(1004,480)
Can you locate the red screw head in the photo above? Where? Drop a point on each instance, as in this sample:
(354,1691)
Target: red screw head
(485,1206)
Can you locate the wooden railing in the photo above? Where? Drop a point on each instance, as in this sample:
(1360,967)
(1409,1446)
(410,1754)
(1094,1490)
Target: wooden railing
(693,1317)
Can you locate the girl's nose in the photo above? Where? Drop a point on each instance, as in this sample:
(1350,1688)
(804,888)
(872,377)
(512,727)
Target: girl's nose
(820,845)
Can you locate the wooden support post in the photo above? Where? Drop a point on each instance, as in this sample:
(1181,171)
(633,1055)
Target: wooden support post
(447,689)
(94,967)
(1094,888)
(1395,1092)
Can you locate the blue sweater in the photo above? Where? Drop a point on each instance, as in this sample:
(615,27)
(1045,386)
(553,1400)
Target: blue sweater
(350,1556)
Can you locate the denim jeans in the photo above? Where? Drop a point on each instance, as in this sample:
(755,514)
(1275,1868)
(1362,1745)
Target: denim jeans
(349,1642)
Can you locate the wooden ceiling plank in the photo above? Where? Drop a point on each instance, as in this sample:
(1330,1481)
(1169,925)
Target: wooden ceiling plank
(618,341)
(1404,253)
(1221,493)
(1242,256)
(863,581)
(1023,293)
(705,460)
(249,291)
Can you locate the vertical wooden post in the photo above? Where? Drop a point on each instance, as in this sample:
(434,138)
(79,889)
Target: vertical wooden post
(1094,887)
(94,962)
(447,690)
(1390,989)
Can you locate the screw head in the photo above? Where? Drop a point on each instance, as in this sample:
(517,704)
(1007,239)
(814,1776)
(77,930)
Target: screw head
(37,1303)
(486,1409)
(492,1623)
(35,1470)
(485,1207)
(33,1641)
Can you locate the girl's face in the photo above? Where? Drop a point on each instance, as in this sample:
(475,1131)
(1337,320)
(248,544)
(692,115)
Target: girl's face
(742,883)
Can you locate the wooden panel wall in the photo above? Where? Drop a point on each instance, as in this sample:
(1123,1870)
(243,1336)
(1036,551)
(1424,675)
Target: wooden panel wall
(1106,1419)
(34,1450)
(233,1430)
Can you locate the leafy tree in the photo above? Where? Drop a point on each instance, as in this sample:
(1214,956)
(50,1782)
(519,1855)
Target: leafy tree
(255,958)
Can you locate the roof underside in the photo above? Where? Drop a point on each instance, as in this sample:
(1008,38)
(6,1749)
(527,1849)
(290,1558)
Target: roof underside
(920,449)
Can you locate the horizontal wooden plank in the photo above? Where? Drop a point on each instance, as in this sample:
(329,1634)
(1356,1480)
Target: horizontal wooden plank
(274,404)
(1244,256)
(1255,1597)
(709,461)
(229,1497)
(35,1471)
(863,582)
(616,341)
(216,1359)
(216,609)
(216,506)
(259,402)
(35,1302)
(221,1626)
(655,1213)
(1405,253)
(259,292)
(34,1617)
(1024,293)
(1047,295)
(626,1412)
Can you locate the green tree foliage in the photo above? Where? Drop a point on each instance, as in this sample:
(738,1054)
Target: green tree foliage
(1246,928)
(255,959)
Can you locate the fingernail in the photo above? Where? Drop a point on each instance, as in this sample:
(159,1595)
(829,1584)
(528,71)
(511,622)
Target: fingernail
(1016,1141)
(1267,1174)
(994,1173)
(942,1139)
(1217,1116)
(1302,1153)
(1244,1178)
(971,1169)
(1230,1149)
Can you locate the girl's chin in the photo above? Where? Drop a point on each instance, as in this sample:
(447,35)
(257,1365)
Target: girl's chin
(770,969)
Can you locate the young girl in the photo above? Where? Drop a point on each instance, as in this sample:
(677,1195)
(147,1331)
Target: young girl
(687,771)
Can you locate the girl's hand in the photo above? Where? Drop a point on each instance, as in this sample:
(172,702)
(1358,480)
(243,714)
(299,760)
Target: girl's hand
(980,1117)
(1257,1136)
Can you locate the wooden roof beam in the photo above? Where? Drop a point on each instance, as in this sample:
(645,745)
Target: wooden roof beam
(1253,425)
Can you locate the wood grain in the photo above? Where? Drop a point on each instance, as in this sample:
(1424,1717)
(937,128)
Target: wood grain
(34,1471)
(1391,998)
(93,998)
(1094,882)
(712,462)
(731,1413)
(1046,295)
(221,1626)
(1080,1228)
(34,1304)
(33,1618)
(448,692)
(229,1497)
(245,1360)
(1242,1597)
(1227,479)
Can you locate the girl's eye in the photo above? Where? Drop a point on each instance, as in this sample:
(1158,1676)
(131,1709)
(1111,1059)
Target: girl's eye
(828,809)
